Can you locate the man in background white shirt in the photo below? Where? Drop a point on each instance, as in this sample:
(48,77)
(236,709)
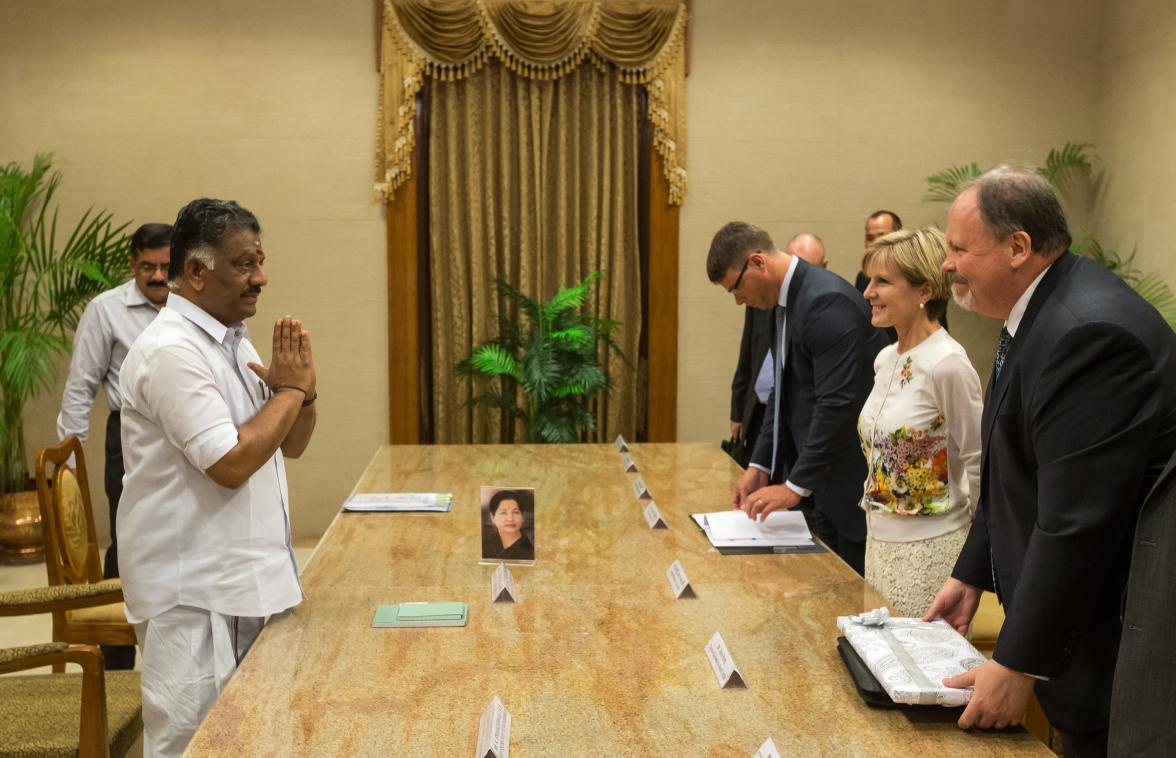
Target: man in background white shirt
(110,323)
(204,519)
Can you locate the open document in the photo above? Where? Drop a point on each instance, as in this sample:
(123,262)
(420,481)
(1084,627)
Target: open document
(399,501)
(733,529)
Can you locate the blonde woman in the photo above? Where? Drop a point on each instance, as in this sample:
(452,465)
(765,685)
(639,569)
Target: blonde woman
(919,427)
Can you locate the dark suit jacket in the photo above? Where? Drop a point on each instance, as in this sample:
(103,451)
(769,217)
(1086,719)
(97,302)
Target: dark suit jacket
(1075,431)
(828,372)
(758,328)
(1143,701)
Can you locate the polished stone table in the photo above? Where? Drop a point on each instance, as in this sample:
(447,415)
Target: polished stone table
(597,658)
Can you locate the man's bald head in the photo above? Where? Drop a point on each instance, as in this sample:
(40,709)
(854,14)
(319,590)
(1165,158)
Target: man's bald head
(809,248)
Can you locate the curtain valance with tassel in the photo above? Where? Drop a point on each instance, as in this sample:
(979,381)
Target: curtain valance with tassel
(640,41)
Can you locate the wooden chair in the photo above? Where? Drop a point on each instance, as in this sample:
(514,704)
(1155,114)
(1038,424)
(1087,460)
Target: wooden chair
(71,549)
(40,715)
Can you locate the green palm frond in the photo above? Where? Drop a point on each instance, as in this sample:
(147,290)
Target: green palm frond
(573,337)
(572,297)
(944,186)
(493,360)
(1059,163)
(1152,288)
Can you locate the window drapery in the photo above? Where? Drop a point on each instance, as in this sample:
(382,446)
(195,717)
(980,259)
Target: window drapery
(447,40)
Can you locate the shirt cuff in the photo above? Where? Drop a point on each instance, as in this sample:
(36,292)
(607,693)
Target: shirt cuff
(798,489)
(208,447)
(757,466)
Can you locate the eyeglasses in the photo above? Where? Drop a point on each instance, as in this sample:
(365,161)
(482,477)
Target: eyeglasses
(146,267)
(742,271)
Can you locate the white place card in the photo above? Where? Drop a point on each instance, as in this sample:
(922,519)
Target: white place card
(720,660)
(678,581)
(621,445)
(627,464)
(502,586)
(653,517)
(767,750)
(494,731)
(640,491)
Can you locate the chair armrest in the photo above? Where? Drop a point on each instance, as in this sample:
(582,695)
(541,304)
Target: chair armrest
(62,597)
(93,738)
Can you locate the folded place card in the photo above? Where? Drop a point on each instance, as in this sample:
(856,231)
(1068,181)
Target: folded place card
(494,731)
(678,581)
(653,517)
(420,614)
(767,750)
(640,491)
(621,446)
(720,660)
(910,658)
(627,464)
(502,586)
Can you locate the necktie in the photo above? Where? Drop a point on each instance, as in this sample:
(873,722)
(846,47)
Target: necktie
(1002,351)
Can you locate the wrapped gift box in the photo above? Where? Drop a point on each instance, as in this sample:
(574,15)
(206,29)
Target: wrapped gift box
(911,658)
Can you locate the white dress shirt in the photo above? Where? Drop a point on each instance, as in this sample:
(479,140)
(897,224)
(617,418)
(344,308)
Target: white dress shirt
(1017,312)
(184,539)
(110,323)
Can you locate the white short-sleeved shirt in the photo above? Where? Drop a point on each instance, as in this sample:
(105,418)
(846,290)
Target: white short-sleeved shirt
(183,539)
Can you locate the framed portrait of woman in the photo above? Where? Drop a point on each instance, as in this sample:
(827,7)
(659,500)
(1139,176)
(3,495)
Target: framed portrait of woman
(508,524)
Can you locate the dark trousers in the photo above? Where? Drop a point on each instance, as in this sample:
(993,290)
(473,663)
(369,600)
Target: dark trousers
(1085,744)
(114,656)
(850,551)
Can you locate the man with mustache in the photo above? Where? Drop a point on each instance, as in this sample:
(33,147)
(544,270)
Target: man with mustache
(1079,421)
(110,323)
(204,520)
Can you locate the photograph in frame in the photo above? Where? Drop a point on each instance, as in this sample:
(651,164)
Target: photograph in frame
(508,524)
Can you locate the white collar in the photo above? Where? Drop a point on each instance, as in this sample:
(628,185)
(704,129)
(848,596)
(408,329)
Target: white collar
(782,301)
(200,317)
(134,296)
(1018,311)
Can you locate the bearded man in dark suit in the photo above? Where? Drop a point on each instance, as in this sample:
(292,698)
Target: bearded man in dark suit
(1079,421)
(824,368)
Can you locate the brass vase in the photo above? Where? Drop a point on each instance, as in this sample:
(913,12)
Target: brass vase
(21,540)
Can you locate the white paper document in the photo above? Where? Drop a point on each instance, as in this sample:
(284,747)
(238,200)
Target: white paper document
(767,750)
(732,528)
(494,731)
(399,501)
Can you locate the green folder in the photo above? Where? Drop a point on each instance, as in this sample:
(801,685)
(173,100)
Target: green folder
(420,614)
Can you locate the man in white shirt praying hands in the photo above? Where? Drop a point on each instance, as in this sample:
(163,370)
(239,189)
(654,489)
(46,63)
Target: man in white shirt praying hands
(204,518)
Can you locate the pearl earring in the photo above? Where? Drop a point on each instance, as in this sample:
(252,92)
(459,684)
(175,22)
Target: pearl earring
(920,306)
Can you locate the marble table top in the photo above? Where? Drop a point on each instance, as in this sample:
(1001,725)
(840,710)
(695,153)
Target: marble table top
(597,657)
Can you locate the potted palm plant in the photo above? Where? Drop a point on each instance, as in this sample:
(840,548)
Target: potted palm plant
(46,282)
(547,364)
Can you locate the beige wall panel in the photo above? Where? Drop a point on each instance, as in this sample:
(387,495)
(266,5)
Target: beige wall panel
(148,105)
(1136,133)
(807,116)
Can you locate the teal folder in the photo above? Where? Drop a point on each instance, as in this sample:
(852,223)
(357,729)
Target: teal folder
(421,614)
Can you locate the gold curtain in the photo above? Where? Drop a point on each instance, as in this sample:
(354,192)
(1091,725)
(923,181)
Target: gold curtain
(635,41)
(534,181)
